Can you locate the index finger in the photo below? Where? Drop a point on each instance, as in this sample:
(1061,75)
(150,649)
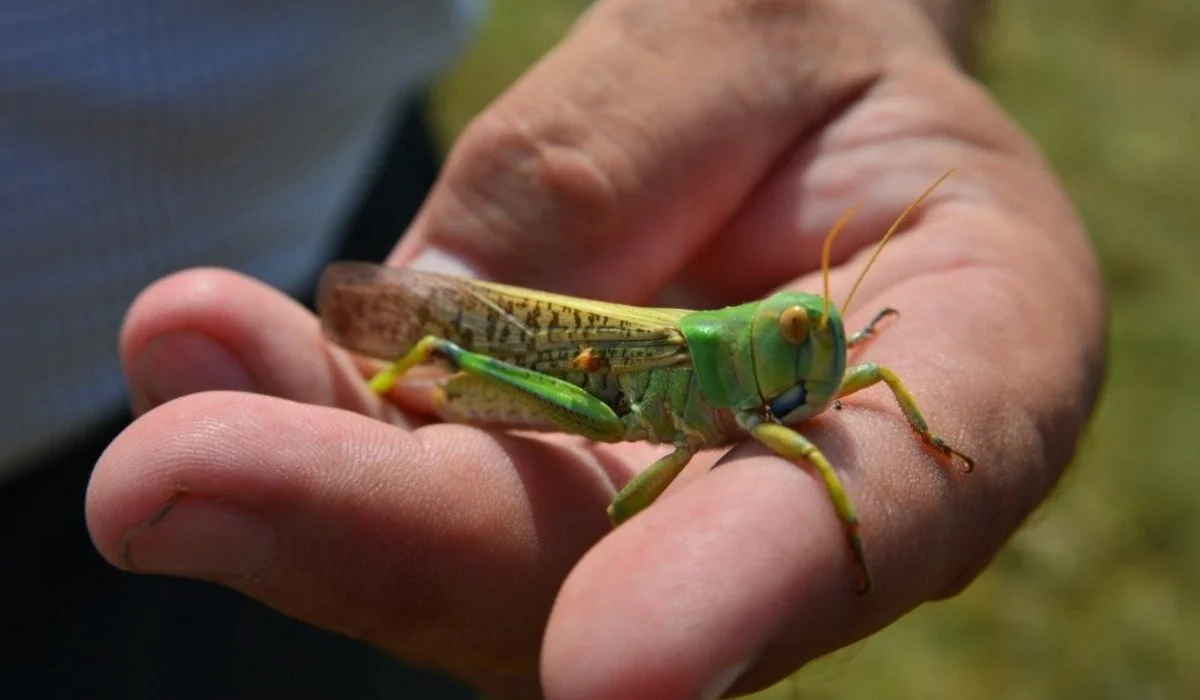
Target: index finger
(596,152)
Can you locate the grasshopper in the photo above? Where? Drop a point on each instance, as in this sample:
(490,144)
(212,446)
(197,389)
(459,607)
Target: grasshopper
(532,360)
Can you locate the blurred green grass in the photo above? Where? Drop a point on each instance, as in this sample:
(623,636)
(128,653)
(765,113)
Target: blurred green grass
(1099,595)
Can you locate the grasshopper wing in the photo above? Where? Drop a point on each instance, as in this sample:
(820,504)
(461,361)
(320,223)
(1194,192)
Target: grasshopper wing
(381,312)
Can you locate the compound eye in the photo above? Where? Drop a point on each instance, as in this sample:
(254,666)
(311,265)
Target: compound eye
(793,324)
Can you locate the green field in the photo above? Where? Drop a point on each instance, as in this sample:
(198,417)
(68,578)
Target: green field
(1099,596)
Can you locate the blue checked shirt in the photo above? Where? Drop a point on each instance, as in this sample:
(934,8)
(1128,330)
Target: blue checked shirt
(140,137)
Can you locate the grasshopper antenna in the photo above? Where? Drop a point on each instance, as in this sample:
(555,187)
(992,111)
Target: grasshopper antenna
(826,251)
(882,242)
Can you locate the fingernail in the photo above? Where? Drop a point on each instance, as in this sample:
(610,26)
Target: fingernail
(181,363)
(437,260)
(201,537)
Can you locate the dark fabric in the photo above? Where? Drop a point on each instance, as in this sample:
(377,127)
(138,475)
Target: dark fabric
(404,175)
(72,626)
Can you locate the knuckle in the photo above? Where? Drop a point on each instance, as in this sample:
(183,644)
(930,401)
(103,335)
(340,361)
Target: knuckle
(539,172)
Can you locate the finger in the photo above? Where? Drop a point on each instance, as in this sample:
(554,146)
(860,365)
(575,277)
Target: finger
(210,329)
(691,590)
(596,153)
(444,546)
(921,120)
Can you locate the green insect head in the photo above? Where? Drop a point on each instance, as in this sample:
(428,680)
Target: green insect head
(799,348)
(785,353)
(799,339)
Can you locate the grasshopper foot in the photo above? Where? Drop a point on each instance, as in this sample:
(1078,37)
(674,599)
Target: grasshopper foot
(860,561)
(941,446)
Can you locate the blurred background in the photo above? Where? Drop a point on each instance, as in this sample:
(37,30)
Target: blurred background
(1099,595)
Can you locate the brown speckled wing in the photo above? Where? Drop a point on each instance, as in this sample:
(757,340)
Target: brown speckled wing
(381,312)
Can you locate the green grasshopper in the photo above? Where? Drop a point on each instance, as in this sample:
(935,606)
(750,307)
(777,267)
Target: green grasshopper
(533,360)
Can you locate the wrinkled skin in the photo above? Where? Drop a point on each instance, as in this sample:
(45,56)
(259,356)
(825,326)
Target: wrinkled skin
(656,156)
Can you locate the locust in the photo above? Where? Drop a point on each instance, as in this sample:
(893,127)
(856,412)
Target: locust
(521,359)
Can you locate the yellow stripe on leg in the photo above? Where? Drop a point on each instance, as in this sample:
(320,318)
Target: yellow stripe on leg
(792,445)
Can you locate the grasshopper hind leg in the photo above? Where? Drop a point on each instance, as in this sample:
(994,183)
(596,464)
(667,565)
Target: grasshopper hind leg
(422,352)
(471,399)
(542,397)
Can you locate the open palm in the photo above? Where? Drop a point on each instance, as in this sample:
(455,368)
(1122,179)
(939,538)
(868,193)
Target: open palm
(684,170)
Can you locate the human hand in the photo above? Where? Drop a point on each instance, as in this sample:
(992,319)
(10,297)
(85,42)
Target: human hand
(681,155)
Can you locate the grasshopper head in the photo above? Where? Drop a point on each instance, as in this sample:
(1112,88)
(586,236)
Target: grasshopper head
(798,340)
(799,349)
